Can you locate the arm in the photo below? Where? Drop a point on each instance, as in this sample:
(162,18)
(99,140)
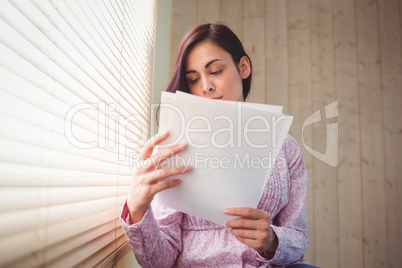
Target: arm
(284,240)
(156,239)
(290,224)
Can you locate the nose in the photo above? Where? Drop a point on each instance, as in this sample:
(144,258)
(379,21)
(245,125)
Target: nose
(208,86)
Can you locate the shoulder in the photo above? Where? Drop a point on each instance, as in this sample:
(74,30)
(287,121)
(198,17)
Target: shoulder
(292,151)
(291,146)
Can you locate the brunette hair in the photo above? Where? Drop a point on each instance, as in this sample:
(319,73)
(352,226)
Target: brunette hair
(218,34)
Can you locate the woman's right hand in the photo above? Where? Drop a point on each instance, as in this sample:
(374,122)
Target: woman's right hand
(146,177)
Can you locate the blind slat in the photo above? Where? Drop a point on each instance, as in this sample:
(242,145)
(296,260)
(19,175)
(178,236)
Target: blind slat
(27,198)
(111,250)
(31,219)
(40,137)
(74,112)
(27,154)
(63,29)
(96,42)
(81,253)
(22,244)
(84,245)
(112,259)
(116,147)
(62,57)
(18,175)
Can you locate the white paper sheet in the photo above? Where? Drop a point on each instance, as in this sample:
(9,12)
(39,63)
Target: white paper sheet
(232,147)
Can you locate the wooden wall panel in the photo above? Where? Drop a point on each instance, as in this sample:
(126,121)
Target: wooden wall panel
(349,175)
(184,17)
(232,15)
(276,50)
(325,177)
(300,96)
(307,54)
(391,74)
(212,7)
(254,43)
(371,120)
(253,8)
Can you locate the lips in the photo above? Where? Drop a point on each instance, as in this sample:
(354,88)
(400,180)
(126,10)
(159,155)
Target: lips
(216,98)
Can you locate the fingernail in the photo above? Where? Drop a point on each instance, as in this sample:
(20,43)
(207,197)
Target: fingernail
(185,169)
(181,146)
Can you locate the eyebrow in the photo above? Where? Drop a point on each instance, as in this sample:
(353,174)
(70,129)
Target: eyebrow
(206,65)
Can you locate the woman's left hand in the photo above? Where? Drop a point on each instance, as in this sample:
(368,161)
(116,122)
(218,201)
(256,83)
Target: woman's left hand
(253,229)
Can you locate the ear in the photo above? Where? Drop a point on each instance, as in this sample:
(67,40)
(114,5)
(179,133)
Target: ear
(245,67)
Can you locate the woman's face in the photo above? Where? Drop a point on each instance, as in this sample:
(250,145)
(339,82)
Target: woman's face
(211,73)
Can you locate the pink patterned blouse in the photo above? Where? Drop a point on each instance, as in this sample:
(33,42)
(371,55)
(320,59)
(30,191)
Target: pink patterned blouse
(168,238)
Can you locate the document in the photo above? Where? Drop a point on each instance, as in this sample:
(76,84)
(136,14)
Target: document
(231,146)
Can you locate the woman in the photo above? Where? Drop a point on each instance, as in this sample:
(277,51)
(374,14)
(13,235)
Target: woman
(211,62)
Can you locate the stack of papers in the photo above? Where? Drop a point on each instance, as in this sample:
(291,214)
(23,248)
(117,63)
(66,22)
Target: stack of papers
(231,146)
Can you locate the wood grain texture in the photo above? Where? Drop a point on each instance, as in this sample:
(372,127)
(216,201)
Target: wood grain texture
(253,8)
(254,44)
(372,139)
(231,13)
(276,54)
(307,54)
(213,11)
(184,17)
(300,96)
(390,51)
(325,176)
(349,174)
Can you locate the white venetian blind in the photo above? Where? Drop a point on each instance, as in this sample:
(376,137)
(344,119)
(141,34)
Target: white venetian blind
(75,94)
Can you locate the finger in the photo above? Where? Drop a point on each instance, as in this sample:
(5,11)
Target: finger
(162,173)
(152,162)
(147,192)
(240,223)
(250,213)
(255,244)
(156,186)
(163,185)
(247,224)
(149,146)
(250,234)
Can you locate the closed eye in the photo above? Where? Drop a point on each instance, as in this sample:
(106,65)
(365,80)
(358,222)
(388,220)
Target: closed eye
(217,72)
(192,81)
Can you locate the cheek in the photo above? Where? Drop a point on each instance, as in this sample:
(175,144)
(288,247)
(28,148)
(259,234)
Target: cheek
(236,84)
(195,90)
(230,81)
(197,93)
